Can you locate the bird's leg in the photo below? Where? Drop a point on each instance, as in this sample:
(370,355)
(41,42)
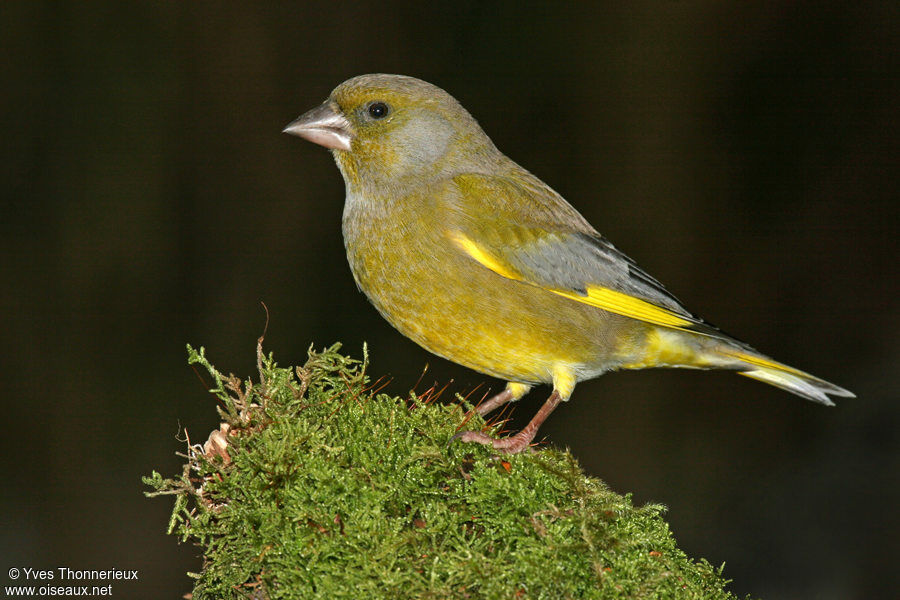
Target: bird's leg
(495,402)
(513,391)
(514,444)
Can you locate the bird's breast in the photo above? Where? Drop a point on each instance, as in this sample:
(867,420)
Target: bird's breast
(396,256)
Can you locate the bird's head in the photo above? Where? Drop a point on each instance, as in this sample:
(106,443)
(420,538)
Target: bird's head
(384,129)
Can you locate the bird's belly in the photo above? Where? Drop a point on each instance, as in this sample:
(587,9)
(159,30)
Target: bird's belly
(460,310)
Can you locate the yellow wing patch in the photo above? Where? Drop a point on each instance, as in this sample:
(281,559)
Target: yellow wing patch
(629,306)
(601,297)
(473,250)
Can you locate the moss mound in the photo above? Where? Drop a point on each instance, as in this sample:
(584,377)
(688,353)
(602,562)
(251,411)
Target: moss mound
(317,486)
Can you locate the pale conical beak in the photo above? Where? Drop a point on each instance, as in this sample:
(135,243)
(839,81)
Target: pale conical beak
(324,125)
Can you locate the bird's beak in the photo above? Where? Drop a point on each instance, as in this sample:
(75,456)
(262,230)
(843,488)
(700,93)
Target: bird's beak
(324,125)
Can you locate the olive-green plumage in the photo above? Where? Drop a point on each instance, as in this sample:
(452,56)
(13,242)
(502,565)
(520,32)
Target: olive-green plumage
(478,261)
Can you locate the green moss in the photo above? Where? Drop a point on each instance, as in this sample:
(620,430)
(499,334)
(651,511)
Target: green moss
(327,489)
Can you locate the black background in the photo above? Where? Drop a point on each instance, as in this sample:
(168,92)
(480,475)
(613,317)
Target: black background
(742,153)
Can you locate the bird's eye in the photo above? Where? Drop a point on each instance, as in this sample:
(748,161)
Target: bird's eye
(378,110)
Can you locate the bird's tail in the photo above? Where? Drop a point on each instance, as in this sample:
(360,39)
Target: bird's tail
(759,367)
(666,347)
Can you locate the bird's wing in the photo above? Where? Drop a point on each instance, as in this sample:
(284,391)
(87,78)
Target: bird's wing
(524,231)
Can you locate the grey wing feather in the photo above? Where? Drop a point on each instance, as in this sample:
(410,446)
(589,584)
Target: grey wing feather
(575,260)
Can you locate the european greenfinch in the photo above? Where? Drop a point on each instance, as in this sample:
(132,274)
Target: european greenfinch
(482,263)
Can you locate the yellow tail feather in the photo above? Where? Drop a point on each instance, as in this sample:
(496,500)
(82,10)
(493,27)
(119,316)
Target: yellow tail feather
(787,378)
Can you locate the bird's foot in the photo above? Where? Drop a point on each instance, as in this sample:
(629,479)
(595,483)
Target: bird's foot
(512,444)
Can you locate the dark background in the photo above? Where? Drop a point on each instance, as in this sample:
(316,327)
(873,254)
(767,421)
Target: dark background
(744,154)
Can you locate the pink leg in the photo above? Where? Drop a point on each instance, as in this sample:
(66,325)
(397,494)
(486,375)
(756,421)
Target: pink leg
(515,443)
(494,402)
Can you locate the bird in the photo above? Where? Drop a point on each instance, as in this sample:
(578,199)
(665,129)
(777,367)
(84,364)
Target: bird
(480,262)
